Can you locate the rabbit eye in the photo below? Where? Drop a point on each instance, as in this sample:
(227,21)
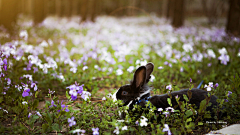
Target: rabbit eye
(124,93)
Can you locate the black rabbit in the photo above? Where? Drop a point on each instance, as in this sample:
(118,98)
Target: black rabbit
(138,92)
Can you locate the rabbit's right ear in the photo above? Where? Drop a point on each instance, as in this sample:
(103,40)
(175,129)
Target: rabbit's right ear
(149,70)
(139,77)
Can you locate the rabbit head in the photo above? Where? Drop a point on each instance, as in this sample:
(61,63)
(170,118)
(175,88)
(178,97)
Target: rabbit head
(138,86)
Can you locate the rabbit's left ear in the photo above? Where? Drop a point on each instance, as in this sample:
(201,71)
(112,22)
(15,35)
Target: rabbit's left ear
(139,77)
(149,70)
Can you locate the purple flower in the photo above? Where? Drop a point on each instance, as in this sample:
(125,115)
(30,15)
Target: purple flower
(5,61)
(8,81)
(181,69)
(216,85)
(74,90)
(225,100)
(52,104)
(229,93)
(190,80)
(169,87)
(85,95)
(25,92)
(166,113)
(5,67)
(29,115)
(209,64)
(71,121)
(64,107)
(50,92)
(35,69)
(73,97)
(95,131)
(166,129)
(2,75)
(137,122)
(38,113)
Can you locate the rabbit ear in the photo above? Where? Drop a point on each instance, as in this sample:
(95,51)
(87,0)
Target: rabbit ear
(149,68)
(139,77)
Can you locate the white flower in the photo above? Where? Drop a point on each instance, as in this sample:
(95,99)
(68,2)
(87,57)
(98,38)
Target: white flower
(85,95)
(23,34)
(209,86)
(78,131)
(160,67)
(85,67)
(103,98)
(166,113)
(24,102)
(222,51)
(181,69)
(160,109)
(238,54)
(28,76)
(152,78)
(96,66)
(119,72)
(43,44)
(5,110)
(143,121)
(73,92)
(141,63)
(116,131)
(170,108)
(166,129)
(169,87)
(73,69)
(130,69)
(211,53)
(187,47)
(38,113)
(124,128)
(224,58)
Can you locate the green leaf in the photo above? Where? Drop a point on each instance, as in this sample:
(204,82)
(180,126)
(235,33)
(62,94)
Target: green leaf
(200,123)
(189,93)
(191,87)
(45,127)
(35,104)
(36,94)
(188,113)
(55,127)
(67,95)
(185,97)
(169,101)
(202,106)
(1,99)
(48,118)
(189,119)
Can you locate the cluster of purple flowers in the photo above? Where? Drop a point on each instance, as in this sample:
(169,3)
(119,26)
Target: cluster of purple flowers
(3,63)
(75,89)
(26,89)
(63,106)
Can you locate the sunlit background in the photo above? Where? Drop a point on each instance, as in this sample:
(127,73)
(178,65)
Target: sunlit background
(212,12)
